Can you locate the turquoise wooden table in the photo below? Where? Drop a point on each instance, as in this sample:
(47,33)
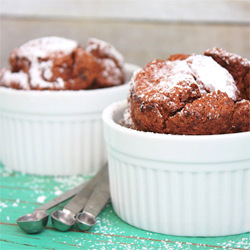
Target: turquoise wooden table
(20,194)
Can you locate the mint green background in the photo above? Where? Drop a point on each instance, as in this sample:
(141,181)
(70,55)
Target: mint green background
(20,194)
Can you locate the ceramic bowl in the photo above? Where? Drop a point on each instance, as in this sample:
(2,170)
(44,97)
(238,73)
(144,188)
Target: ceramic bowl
(55,132)
(175,184)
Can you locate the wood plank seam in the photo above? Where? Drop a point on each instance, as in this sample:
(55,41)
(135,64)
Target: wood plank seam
(28,245)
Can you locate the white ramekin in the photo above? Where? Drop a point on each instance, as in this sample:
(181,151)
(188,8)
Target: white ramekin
(55,132)
(179,185)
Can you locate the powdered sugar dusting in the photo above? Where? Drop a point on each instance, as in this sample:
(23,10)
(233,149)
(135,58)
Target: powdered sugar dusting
(163,78)
(111,73)
(176,70)
(45,46)
(243,101)
(212,75)
(46,69)
(197,74)
(111,61)
(41,199)
(110,232)
(39,59)
(105,49)
(128,122)
(227,56)
(40,71)
(20,78)
(172,76)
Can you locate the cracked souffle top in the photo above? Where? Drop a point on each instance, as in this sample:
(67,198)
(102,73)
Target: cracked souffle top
(191,94)
(55,63)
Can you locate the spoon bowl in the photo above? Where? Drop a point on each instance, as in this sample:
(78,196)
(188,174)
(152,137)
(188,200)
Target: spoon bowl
(85,221)
(33,223)
(63,220)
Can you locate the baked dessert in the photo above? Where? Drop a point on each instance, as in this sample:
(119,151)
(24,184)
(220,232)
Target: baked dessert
(111,63)
(55,63)
(237,66)
(191,95)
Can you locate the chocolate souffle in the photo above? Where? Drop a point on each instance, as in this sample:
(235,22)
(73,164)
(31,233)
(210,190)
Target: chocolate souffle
(191,95)
(56,63)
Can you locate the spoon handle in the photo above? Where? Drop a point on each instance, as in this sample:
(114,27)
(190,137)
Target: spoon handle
(99,197)
(79,201)
(61,198)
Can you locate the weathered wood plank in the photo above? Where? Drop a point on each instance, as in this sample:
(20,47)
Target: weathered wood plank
(153,10)
(139,42)
(110,232)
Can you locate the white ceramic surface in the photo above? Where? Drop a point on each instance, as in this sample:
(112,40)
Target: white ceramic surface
(55,132)
(179,185)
